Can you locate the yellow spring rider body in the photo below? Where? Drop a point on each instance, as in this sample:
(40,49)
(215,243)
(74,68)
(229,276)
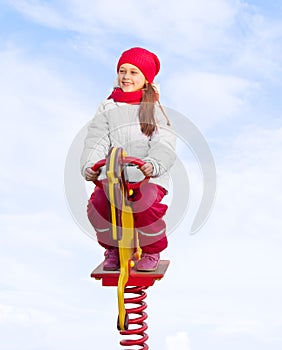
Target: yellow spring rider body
(127,280)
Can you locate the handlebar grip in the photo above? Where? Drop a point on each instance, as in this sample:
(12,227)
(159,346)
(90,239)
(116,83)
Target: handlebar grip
(140,163)
(96,167)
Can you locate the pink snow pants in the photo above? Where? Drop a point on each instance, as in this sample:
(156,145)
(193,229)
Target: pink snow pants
(148,212)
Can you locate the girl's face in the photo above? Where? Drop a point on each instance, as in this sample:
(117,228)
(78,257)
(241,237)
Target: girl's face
(130,78)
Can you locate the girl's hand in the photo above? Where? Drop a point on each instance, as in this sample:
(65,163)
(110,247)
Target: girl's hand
(147,169)
(91,175)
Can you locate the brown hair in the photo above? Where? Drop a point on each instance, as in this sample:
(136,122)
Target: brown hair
(147,110)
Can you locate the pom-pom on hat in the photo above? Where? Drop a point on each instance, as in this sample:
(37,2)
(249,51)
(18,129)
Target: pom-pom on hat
(146,61)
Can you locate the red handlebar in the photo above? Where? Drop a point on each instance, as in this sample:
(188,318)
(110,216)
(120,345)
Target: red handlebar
(99,164)
(126,160)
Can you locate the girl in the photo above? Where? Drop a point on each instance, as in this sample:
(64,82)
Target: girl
(132,118)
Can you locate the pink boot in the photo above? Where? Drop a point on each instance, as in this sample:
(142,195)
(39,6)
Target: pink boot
(148,262)
(111,262)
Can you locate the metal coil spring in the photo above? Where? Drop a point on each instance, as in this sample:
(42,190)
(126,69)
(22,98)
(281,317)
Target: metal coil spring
(139,320)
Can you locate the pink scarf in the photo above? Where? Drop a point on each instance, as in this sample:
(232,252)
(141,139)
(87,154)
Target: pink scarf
(118,95)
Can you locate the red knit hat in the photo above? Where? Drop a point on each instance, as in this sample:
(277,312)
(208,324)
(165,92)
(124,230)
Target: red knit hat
(143,59)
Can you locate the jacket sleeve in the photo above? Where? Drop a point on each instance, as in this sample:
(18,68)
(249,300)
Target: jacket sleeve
(162,145)
(97,141)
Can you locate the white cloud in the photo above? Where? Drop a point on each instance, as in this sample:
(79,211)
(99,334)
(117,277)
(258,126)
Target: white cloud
(241,33)
(217,12)
(46,294)
(235,36)
(184,25)
(180,341)
(250,177)
(23,317)
(41,12)
(209,98)
(41,113)
(259,52)
(230,271)
(52,321)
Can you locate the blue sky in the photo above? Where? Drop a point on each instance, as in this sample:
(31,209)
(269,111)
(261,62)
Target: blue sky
(221,67)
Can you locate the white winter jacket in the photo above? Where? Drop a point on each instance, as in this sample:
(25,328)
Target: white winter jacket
(117,125)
